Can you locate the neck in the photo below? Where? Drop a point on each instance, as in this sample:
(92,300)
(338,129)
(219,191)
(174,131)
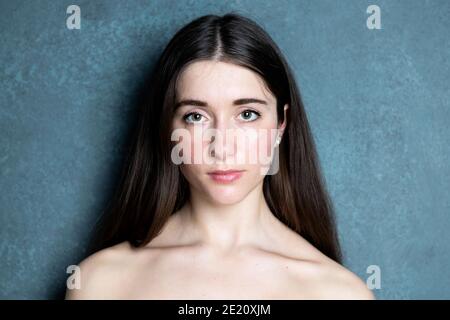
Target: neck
(230,226)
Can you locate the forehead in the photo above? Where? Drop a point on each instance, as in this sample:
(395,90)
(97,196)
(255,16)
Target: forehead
(217,80)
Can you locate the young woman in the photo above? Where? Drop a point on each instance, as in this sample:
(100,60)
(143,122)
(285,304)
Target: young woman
(220,229)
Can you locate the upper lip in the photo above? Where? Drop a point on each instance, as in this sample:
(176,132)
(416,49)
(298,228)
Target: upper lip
(224,171)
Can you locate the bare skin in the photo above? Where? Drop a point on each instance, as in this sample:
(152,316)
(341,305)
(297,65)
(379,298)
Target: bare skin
(225,243)
(174,266)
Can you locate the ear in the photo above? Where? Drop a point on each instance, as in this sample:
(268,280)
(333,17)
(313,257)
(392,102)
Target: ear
(282,126)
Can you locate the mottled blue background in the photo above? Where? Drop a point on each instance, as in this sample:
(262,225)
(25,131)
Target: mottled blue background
(377,100)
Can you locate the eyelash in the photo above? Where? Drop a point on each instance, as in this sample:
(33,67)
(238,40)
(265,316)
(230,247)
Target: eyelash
(186,116)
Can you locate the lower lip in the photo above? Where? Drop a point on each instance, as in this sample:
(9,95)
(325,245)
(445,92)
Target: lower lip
(226,178)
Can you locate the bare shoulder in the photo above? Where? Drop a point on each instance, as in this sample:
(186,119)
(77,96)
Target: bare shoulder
(323,278)
(313,275)
(334,282)
(102,273)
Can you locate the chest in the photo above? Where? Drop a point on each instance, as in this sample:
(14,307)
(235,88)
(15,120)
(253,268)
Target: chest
(225,281)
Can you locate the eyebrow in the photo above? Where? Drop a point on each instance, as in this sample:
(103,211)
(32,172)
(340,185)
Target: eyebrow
(238,102)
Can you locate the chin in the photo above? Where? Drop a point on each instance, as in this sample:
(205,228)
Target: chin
(226,195)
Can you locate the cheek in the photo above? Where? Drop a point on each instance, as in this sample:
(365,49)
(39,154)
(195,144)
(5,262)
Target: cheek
(189,145)
(192,173)
(261,144)
(270,140)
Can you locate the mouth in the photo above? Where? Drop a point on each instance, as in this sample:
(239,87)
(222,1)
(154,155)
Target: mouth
(225,176)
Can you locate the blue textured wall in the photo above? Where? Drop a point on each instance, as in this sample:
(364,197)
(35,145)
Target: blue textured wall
(377,100)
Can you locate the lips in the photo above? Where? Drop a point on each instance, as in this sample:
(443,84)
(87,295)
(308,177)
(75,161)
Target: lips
(225,176)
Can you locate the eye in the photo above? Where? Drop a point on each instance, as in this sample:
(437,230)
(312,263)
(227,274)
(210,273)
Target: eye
(193,117)
(249,115)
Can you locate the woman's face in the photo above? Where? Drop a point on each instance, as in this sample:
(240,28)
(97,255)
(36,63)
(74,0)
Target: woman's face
(222,130)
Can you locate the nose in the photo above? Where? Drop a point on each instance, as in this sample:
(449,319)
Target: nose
(223,143)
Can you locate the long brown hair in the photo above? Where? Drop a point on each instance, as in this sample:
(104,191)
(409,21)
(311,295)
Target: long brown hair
(151,187)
